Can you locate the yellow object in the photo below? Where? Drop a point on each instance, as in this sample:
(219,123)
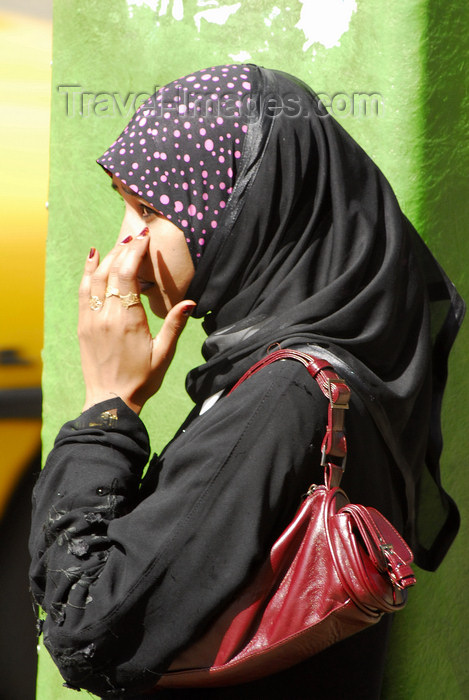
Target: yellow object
(25,56)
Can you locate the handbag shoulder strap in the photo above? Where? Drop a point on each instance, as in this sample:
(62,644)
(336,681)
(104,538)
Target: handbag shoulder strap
(335,390)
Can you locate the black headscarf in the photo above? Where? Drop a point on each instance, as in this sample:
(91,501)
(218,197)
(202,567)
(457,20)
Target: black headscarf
(312,247)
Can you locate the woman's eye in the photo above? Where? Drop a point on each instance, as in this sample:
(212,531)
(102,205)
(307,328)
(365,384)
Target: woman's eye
(146,212)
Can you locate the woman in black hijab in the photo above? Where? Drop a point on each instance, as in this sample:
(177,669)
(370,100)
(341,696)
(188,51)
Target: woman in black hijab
(265,214)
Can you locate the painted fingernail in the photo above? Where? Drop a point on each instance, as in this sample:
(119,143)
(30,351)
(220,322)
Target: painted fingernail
(187,310)
(91,253)
(144,233)
(127,239)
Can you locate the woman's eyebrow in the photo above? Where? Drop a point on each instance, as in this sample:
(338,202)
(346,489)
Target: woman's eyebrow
(136,197)
(126,189)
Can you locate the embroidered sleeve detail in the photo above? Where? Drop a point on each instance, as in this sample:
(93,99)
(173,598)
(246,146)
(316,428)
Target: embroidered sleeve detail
(107,419)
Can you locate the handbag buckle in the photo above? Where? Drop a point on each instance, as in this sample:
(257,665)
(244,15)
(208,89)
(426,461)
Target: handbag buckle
(333,473)
(325,462)
(341,392)
(334,443)
(399,571)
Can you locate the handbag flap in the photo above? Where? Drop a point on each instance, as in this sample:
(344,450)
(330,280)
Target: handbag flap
(385,546)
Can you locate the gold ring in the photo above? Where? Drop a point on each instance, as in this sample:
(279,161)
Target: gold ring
(130,299)
(95,303)
(111,292)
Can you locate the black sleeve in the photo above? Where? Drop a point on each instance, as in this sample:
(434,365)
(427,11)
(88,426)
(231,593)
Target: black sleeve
(128,578)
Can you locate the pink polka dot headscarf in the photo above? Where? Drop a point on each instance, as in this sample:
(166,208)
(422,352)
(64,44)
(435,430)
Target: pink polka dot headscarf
(180,150)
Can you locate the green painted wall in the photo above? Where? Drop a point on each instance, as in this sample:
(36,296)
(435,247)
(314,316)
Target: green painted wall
(410,57)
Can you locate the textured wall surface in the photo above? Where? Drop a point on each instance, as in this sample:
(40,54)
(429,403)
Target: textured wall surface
(395,76)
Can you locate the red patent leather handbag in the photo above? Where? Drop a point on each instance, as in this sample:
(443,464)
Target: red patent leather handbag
(334,571)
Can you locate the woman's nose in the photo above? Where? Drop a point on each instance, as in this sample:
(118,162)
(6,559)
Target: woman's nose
(131,225)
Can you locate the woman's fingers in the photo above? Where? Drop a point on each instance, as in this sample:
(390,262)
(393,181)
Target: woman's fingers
(115,276)
(122,284)
(119,356)
(101,280)
(94,281)
(84,293)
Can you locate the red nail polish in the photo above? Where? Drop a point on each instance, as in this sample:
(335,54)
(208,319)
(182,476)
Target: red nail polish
(144,233)
(91,253)
(127,239)
(187,310)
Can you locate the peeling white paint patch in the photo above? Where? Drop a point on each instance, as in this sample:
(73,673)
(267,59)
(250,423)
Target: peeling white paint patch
(325,21)
(216,15)
(152,4)
(163,5)
(272,15)
(241,57)
(177,11)
(264,48)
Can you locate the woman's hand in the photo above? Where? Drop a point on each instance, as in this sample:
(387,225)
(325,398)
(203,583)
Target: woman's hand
(119,356)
